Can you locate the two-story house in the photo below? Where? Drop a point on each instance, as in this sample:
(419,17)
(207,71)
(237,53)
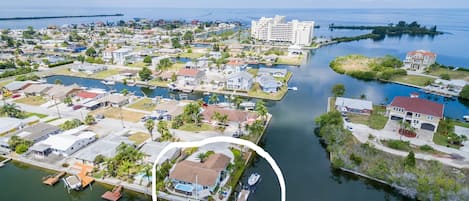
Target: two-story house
(420,113)
(189,177)
(191,77)
(419,60)
(240,81)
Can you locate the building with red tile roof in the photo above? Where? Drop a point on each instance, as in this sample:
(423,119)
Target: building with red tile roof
(419,60)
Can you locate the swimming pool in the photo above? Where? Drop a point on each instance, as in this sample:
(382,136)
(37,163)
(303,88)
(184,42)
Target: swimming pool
(184,187)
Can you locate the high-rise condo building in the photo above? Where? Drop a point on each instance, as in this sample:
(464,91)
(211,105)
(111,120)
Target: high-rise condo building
(277,29)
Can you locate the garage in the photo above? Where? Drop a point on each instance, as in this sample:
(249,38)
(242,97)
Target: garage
(427,126)
(396,118)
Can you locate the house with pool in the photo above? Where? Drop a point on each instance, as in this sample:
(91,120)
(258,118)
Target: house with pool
(191,178)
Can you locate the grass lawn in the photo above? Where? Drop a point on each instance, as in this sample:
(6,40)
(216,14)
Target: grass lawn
(462,124)
(115,113)
(413,79)
(286,78)
(2,84)
(176,66)
(139,137)
(145,104)
(158,83)
(105,74)
(443,141)
(30,114)
(32,100)
(289,60)
(459,74)
(253,71)
(194,128)
(191,55)
(138,65)
(376,120)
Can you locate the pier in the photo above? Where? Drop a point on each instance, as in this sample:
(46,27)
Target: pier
(5,162)
(53,179)
(113,195)
(57,17)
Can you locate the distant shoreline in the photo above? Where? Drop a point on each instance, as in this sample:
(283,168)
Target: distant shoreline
(57,17)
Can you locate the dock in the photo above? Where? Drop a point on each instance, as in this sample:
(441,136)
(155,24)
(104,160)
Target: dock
(243,195)
(53,179)
(83,175)
(5,162)
(113,195)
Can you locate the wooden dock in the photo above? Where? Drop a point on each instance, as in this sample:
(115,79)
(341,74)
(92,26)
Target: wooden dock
(243,195)
(5,162)
(113,195)
(53,179)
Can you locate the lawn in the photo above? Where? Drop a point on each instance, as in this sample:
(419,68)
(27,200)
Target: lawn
(442,140)
(176,66)
(145,104)
(159,83)
(253,71)
(191,55)
(30,114)
(138,65)
(139,137)
(376,120)
(459,74)
(256,92)
(32,100)
(296,61)
(2,84)
(115,113)
(194,128)
(105,74)
(413,80)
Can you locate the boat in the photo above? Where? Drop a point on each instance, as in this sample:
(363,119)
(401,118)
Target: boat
(243,195)
(172,87)
(466,118)
(248,105)
(113,195)
(206,93)
(253,179)
(293,88)
(72,182)
(108,82)
(131,84)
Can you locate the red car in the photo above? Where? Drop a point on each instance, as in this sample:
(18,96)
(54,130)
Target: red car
(16,96)
(76,107)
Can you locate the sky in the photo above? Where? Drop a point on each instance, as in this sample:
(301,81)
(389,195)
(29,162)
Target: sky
(237,3)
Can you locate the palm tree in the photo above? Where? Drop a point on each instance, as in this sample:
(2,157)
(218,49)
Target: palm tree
(213,99)
(68,101)
(11,110)
(261,109)
(237,101)
(202,157)
(150,125)
(363,96)
(124,92)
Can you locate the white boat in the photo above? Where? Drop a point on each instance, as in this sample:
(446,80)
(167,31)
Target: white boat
(72,182)
(206,93)
(466,118)
(293,88)
(108,82)
(253,179)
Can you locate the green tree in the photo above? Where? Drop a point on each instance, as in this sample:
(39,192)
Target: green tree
(147,59)
(11,110)
(144,74)
(445,76)
(213,99)
(465,92)
(124,92)
(71,124)
(91,52)
(57,81)
(410,160)
(150,125)
(261,109)
(237,101)
(89,119)
(202,157)
(175,42)
(338,90)
(68,101)
(165,63)
(81,58)
(188,36)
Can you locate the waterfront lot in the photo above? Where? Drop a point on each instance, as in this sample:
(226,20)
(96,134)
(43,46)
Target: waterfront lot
(98,75)
(413,80)
(118,113)
(376,120)
(32,100)
(145,104)
(457,75)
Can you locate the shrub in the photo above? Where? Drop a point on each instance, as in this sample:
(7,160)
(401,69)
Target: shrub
(398,144)
(445,76)
(426,148)
(356,159)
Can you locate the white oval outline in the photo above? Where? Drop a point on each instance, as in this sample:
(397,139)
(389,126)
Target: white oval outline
(261,152)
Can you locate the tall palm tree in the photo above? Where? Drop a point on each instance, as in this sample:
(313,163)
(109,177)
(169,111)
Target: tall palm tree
(261,109)
(150,125)
(213,99)
(11,110)
(237,101)
(202,157)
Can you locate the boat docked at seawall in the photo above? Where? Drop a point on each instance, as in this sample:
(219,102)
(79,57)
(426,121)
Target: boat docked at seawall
(254,179)
(293,88)
(108,82)
(466,118)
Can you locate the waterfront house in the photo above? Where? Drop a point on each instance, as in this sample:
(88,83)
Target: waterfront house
(237,116)
(240,81)
(37,89)
(10,125)
(107,54)
(16,86)
(190,77)
(106,147)
(60,92)
(275,72)
(268,83)
(38,132)
(64,144)
(88,68)
(152,149)
(189,177)
(420,113)
(419,60)
(353,105)
(215,55)
(114,100)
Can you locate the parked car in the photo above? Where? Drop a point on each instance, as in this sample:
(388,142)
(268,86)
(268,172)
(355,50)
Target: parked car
(99,116)
(77,107)
(16,96)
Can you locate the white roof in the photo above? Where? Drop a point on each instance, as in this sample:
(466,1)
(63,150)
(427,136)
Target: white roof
(8,124)
(354,103)
(64,141)
(152,149)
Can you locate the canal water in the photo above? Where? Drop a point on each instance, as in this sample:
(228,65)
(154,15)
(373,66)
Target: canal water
(290,137)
